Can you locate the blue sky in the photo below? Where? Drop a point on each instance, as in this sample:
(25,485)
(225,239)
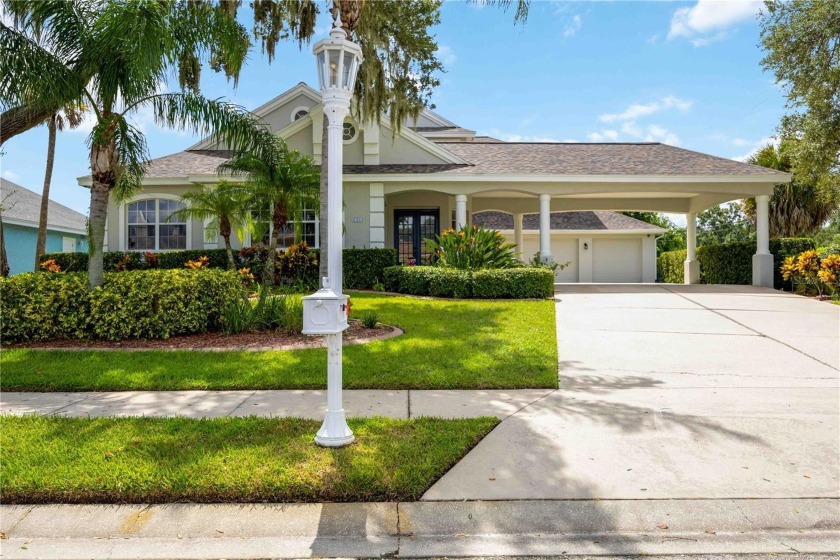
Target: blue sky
(684,73)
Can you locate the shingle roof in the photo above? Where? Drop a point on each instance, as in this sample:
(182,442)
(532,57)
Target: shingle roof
(594,159)
(517,158)
(596,220)
(22,204)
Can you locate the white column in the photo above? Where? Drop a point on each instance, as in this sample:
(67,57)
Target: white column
(692,265)
(517,237)
(336,112)
(460,211)
(763,259)
(545,227)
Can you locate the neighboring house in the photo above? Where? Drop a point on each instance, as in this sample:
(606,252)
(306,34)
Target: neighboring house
(21,208)
(401,189)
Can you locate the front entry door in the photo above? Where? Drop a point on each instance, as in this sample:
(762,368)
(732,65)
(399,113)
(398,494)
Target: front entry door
(411,227)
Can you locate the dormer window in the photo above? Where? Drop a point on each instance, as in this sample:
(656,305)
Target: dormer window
(299,113)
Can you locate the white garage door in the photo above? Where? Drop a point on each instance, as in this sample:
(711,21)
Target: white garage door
(563,250)
(616,260)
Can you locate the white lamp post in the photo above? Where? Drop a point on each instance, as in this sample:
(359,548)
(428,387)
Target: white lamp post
(325,311)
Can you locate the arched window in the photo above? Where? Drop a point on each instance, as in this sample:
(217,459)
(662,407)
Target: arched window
(151,226)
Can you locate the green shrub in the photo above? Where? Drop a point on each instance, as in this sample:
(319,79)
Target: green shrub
(449,282)
(44,305)
(69,262)
(730,263)
(515,283)
(364,267)
(293,316)
(239,315)
(370,319)
(161,303)
(670,266)
(472,248)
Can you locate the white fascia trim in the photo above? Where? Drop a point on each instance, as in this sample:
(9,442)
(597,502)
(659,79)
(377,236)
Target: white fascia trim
(27,223)
(265,108)
(652,231)
(424,143)
(447,134)
(435,118)
(493,178)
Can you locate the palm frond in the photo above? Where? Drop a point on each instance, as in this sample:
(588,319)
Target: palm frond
(132,157)
(225,122)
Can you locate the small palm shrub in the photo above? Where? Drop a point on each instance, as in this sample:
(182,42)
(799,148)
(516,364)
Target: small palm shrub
(472,248)
(263,313)
(238,316)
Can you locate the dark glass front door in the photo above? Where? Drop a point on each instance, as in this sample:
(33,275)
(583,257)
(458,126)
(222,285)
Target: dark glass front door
(411,227)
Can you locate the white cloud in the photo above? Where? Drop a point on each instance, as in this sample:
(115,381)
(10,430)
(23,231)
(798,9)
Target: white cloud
(10,175)
(524,138)
(446,55)
(611,135)
(637,110)
(571,28)
(709,20)
(755,146)
(656,133)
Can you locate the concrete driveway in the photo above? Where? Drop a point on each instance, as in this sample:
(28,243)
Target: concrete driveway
(673,392)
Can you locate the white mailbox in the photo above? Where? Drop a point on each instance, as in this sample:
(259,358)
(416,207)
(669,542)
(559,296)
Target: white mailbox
(324,312)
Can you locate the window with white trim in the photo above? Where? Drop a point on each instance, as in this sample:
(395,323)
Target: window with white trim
(308,225)
(151,228)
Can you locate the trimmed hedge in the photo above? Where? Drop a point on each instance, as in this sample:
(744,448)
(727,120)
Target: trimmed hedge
(362,267)
(135,304)
(506,283)
(730,263)
(44,305)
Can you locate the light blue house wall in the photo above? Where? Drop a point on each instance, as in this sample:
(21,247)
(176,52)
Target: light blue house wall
(20,245)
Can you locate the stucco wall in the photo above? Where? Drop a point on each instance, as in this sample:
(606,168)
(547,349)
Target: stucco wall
(20,245)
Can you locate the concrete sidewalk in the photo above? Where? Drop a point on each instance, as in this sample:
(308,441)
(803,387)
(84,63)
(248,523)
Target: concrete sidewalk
(300,404)
(420,529)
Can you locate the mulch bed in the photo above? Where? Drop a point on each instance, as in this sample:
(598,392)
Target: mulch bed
(264,340)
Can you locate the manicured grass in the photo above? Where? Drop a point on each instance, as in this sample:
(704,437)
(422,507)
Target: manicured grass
(156,460)
(448,344)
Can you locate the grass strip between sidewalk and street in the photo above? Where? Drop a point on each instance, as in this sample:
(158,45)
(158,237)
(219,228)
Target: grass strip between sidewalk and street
(160,460)
(448,344)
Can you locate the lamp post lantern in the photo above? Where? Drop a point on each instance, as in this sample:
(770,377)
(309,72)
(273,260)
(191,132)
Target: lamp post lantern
(325,312)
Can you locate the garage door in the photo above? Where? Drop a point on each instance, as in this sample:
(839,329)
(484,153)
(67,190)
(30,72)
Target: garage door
(562,250)
(616,260)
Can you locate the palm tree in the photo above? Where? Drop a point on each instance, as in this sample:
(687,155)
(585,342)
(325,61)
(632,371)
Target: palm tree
(81,55)
(282,180)
(72,117)
(799,208)
(225,206)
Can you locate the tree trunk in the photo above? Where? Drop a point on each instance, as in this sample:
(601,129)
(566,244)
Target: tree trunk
(102,165)
(41,245)
(4,262)
(279,218)
(18,120)
(323,215)
(224,230)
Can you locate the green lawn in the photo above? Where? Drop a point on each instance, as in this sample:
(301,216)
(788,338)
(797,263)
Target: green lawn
(157,460)
(448,344)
